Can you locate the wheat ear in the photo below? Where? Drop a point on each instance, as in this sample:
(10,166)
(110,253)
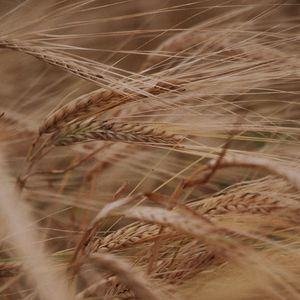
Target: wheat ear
(251,203)
(99,101)
(127,236)
(55,59)
(240,203)
(189,224)
(92,130)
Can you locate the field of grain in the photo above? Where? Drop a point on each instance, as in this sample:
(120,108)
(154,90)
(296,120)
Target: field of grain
(150,149)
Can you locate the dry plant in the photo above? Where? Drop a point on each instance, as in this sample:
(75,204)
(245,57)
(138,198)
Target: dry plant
(150,149)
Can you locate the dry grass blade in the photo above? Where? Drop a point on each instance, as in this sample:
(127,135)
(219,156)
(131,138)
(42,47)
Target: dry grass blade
(130,276)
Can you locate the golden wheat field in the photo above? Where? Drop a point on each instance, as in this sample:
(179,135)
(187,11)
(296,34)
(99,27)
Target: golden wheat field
(150,149)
